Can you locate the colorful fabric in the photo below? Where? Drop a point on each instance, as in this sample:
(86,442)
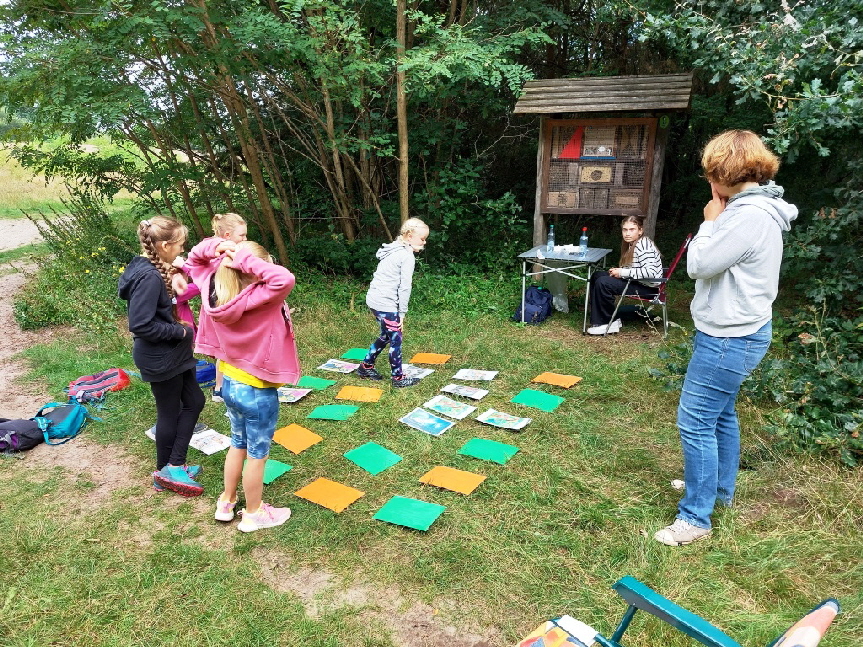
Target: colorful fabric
(389,335)
(239,375)
(253,413)
(253,331)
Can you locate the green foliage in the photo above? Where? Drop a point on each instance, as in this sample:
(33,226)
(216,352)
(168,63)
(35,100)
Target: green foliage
(334,255)
(467,228)
(77,284)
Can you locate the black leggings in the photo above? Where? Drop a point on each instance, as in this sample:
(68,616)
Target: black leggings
(604,288)
(179,402)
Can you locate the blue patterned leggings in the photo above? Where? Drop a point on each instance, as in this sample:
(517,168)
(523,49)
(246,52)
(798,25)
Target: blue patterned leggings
(388,336)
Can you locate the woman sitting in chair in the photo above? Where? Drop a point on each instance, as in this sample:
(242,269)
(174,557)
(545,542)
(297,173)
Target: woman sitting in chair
(639,261)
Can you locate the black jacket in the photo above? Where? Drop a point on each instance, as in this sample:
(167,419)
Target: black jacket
(163,347)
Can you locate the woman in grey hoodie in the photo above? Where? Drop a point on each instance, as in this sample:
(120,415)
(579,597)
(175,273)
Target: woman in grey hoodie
(388,297)
(735,259)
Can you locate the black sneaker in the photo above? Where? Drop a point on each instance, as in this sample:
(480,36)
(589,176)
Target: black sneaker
(368,373)
(405,381)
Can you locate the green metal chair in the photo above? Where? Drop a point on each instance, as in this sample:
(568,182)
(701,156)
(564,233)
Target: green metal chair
(805,633)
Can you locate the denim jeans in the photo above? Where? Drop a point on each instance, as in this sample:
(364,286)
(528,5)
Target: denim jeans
(707,420)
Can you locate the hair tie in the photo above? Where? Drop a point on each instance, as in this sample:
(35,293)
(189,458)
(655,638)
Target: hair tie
(146,223)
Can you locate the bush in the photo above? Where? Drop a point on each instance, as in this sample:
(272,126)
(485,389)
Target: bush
(77,285)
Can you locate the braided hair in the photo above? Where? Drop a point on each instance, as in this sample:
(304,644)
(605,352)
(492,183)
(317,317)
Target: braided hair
(157,230)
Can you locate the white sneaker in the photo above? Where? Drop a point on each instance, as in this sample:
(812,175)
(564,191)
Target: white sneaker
(680,533)
(615,327)
(266,517)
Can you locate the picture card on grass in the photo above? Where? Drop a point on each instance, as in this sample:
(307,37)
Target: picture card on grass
(449,407)
(504,420)
(359,393)
(474,374)
(288,395)
(333,412)
(538,399)
(273,469)
(452,479)
(355,353)
(296,438)
(430,358)
(312,382)
(338,366)
(373,458)
(411,513)
(422,420)
(488,450)
(208,441)
(465,391)
(330,494)
(556,379)
(409,370)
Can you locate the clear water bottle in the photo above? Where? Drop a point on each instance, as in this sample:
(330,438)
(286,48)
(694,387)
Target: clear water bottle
(582,244)
(549,245)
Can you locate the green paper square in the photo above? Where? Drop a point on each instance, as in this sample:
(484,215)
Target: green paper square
(488,450)
(372,457)
(316,383)
(538,400)
(333,412)
(411,513)
(355,353)
(273,469)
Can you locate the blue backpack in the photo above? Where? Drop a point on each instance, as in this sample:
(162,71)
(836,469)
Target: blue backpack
(537,306)
(65,420)
(206,374)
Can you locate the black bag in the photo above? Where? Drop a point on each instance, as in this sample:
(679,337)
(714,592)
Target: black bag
(19,435)
(537,306)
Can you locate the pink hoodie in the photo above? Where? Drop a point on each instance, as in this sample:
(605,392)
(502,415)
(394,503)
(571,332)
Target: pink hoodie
(253,331)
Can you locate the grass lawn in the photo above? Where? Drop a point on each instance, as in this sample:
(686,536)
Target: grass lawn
(545,534)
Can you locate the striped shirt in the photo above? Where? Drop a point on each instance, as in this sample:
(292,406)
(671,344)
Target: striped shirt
(646,263)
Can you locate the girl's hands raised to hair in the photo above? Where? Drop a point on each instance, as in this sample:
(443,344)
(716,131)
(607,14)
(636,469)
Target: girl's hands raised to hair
(226,245)
(228,257)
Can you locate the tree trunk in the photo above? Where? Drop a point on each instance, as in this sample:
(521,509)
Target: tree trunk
(402,111)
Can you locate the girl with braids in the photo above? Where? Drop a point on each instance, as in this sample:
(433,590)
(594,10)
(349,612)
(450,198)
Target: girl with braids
(163,351)
(640,261)
(251,334)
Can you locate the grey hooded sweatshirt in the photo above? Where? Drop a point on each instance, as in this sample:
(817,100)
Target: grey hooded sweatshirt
(735,260)
(390,289)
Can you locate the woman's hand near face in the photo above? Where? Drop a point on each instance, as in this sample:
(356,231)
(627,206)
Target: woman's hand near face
(716,205)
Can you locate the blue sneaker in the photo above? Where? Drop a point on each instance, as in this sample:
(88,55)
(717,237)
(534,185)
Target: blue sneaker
(194,471)
(176,479)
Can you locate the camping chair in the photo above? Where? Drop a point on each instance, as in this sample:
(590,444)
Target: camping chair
(661,298)
(807,632)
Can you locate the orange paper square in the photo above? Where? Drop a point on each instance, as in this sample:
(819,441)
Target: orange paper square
(296,438)
(430,358)
(557,379)
(329,494)
(452,479)
(359,393)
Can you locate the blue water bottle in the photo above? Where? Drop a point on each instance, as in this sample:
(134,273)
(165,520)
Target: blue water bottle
(549,245)
(582,244)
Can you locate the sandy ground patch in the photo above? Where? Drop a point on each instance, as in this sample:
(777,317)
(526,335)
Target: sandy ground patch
(18,233)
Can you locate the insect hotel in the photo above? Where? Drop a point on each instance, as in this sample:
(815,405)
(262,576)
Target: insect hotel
(602,144)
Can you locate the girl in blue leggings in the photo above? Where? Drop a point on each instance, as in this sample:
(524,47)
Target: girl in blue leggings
(388,297)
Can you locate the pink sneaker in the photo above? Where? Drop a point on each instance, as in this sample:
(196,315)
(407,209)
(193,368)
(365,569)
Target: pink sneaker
(266,517)
(224,509)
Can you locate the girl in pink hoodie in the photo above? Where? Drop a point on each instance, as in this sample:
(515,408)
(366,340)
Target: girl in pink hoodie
(251,334)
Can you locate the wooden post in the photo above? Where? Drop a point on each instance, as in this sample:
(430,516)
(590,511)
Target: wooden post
(539,228)
(656,178)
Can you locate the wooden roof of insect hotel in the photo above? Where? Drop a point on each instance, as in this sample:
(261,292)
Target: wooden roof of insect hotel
(606,94)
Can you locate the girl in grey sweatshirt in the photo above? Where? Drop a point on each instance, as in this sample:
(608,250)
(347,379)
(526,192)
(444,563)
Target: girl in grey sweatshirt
(388,297)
